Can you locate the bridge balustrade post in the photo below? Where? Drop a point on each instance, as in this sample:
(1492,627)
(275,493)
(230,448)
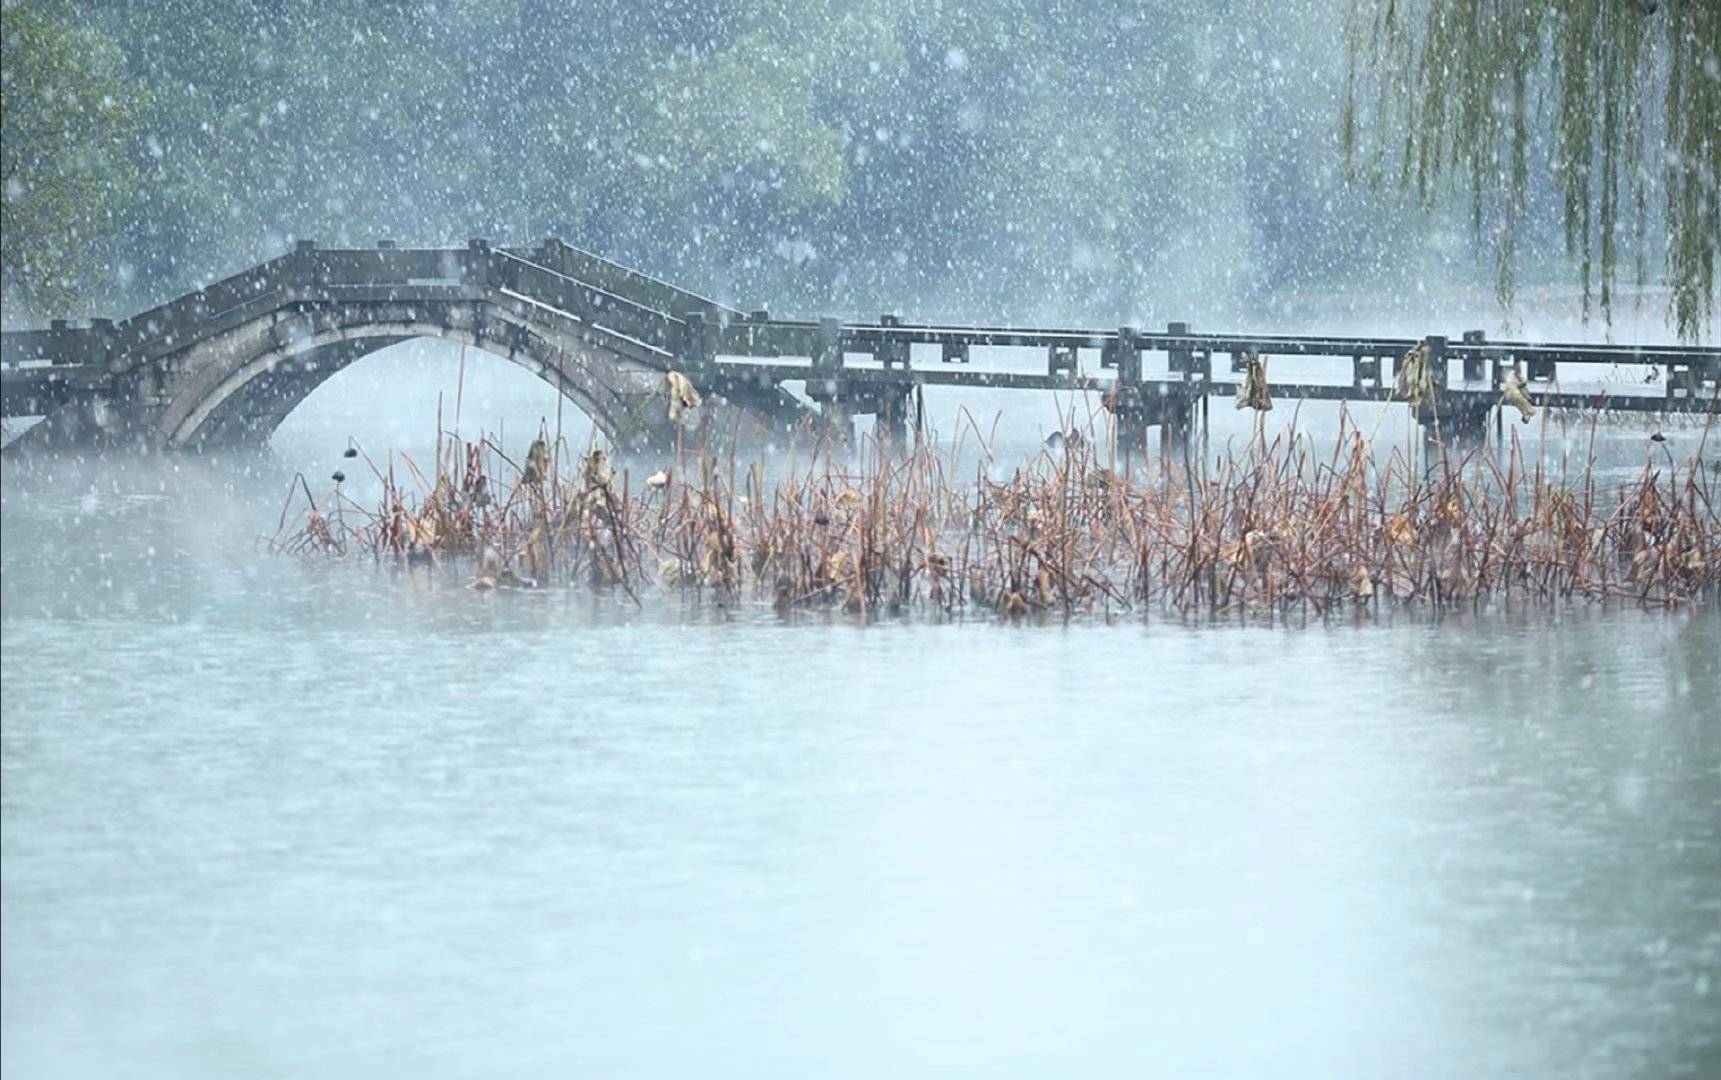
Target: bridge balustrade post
(1682,381)
(826,384)
(1178,357)
(476,265)
(1121,350)
(1436,362)
(698,349)
(1060,360)
(1127,409)
(1126,355)
(309,266)
(1365,373)
(1194,365)
(892,352)
(1176,411)
(828,350)
(1428,410)
(1474,360)
(98,342)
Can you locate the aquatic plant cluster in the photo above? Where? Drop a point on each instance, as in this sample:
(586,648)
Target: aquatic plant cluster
(1274,529)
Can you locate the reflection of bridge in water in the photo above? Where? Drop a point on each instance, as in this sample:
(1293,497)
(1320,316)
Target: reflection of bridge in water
(227,363)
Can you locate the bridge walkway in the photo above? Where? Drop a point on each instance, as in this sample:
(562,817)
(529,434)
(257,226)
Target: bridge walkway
(611,332)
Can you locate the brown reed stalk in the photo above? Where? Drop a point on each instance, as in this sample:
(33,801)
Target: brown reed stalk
(1270,530)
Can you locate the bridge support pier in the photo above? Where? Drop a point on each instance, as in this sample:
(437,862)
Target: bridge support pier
(1176,422)
(1454,423)
(1134,412)
(836,419)
(890,407)
(1132,428)
(890,425)
(833,393)
(649,431)
(93,421)
(730,414)
(1129,411)
(837,422)
(841,401)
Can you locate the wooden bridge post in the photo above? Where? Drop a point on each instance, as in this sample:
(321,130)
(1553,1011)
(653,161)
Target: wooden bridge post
(1365,372)
(1453,420)
(1436,362)
(1431,408)
(1433,404)
(1177,408)
(827,386)
(1177,420)
(1482,364)
(1462,424)
(892,352)
(1061,360)
(1688,380)
(1127,409)
(1475,362)
(890,425)
(828,349)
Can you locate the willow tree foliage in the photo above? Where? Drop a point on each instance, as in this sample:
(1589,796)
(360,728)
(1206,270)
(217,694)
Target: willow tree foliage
(66,118)
(1017,160)
(1620,98)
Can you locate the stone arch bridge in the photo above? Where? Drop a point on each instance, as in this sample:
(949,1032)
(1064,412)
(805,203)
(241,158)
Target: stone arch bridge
(227,363)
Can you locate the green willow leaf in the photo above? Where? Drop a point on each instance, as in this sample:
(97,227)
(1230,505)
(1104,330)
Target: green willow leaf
(1623,96)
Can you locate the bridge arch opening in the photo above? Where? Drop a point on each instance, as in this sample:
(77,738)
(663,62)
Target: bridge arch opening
(243,394)
(390,396)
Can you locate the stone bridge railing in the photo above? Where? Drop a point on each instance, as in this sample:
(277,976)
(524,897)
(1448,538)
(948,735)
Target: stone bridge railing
(597,325)
(613,315)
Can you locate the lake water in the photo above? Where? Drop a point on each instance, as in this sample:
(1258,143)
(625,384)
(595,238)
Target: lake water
(269,819)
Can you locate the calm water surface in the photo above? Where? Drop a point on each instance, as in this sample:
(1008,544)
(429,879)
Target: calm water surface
(263,819)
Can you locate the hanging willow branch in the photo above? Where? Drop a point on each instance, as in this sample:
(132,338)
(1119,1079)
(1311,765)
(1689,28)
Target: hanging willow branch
(1457,92)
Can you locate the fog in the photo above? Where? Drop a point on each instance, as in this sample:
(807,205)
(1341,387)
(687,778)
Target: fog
(372,808)
(1026,162)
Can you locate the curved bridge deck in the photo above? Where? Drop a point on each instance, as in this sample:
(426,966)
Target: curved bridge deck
(229,361)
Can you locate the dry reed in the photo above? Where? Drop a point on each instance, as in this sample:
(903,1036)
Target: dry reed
(1276,529)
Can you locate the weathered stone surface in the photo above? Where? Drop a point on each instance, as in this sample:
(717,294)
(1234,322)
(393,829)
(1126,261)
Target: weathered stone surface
(228,363)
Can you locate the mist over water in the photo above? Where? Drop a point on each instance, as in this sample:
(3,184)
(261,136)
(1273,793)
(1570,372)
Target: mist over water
(274,818)
(392,400)
(270,817)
